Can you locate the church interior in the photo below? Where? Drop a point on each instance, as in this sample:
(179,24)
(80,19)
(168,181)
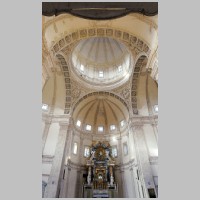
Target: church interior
(99,100)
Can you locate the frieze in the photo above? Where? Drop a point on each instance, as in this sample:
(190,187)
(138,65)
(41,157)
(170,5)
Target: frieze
(141,120)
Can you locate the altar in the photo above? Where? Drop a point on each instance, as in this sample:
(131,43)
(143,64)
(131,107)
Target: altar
(100,178)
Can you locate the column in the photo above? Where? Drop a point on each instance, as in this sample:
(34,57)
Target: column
(143,160)
(53,182)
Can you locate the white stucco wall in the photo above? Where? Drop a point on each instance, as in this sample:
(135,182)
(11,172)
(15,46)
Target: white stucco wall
(150,140)
(52,138)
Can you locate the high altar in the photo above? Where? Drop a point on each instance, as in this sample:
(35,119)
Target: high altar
(100,178)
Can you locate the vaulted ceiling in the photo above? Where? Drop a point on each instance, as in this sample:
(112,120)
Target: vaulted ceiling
(100,110)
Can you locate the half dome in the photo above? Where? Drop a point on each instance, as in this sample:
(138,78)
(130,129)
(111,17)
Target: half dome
(100,114)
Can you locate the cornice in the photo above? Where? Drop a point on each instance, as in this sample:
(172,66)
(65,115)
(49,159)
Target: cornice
(127,165)
(47,159)
(52,118)
(142,120)
(74,165)
(153,160)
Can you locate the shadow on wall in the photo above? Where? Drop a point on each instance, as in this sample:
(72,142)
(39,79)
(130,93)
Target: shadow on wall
(44,184)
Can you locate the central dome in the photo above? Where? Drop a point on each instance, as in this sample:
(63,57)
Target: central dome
(101,60)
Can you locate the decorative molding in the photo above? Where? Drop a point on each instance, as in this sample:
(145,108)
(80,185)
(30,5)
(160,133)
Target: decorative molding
(127,165)
(66,73)
(52,118)
(47,159)
(153,160)
(142,120)
(100,93)
(141,62)
(134,44)
(74,165)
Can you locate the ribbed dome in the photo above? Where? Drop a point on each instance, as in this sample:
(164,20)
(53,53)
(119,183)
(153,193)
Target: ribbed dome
(100,111)
(102,55)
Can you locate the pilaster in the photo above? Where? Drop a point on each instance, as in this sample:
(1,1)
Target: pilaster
(53,182)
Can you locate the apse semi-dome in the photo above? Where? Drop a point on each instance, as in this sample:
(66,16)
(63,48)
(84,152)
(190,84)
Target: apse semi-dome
(102,61)
(100,114)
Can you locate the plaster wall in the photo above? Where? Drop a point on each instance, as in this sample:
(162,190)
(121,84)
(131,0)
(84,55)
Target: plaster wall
(128,185)
(46,169)
(52,138)
(150,140)
(47,93)
(141,96)
(72,184)
(75,157)
(60,94)
(152,93)
(42,127)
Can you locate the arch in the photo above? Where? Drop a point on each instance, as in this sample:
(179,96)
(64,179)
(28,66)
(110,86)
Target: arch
(138,66)
(99,93)
(134,43)
(66,74)
(137,47)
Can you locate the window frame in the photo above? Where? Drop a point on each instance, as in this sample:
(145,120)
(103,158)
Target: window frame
(113,127)
(75,152)
(86,147)
(87,126)
(112,148)
(101,74)
(77,122)
(99,128)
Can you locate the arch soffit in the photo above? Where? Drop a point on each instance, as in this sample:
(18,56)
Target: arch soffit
(140,63)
